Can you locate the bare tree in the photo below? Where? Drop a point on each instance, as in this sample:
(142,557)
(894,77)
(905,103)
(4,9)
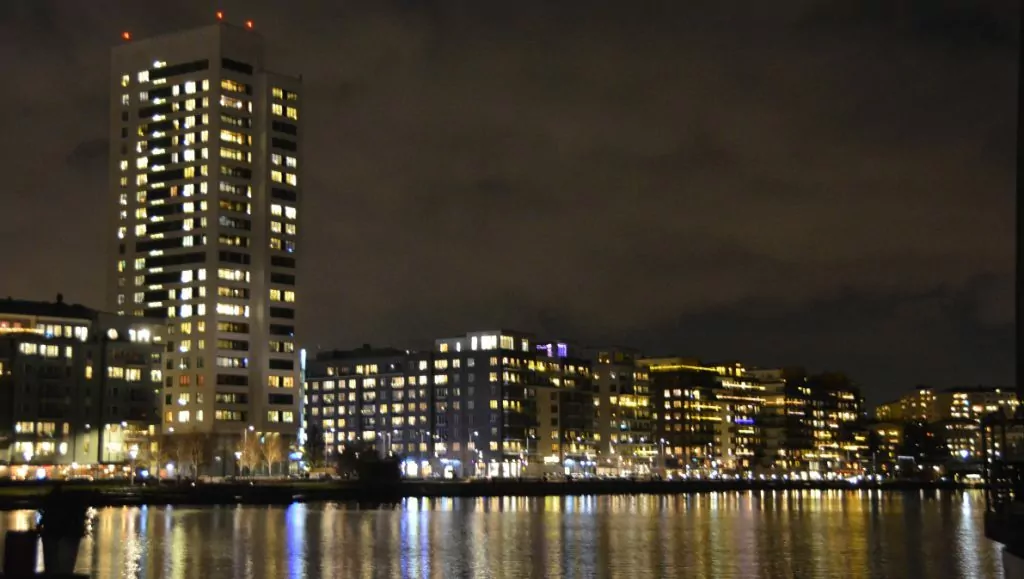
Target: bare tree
(172,449)
(271,449)
(149,454)
(249,446)
(196,445)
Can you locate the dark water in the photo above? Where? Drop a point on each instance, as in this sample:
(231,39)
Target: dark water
(805,535)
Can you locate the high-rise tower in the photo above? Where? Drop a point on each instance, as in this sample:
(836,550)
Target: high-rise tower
(205,166)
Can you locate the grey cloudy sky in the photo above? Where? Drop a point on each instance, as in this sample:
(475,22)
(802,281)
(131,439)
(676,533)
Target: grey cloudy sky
(813,182)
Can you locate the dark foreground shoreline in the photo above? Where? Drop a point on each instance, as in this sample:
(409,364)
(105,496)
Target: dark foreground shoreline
(29,495)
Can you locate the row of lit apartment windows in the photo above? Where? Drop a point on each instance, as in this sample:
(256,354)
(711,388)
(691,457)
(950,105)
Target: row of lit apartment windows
(45,350)
(188,87)
(636,376)
(369,409)
(396,396)
(187,416)
(283,111)
(42,428)
(277,210)
(281,94)
(128,374)
(443,364)
(286,160)
(489,342)
(277,295)
(286,228)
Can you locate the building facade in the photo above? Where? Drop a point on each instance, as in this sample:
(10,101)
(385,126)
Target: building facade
(79,388)
(940,429)
(623,412)
(206,173)
(490,403)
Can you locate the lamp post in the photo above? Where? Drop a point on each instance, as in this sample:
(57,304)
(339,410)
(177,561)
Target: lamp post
(133,452)
(475,452)
(245,443)
(527,465)
(661,451)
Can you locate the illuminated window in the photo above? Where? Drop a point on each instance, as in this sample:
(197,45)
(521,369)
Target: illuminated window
(275,226)
(293,113)
(232,137)
(292,179)
(144,76)
(125,79)
(232,86)
(291,162)
(277,109)
(233,154)
(232,102)
(275,92)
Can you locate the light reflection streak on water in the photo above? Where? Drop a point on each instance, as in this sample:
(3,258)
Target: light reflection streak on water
(759,535)
(296,536)
(968,558)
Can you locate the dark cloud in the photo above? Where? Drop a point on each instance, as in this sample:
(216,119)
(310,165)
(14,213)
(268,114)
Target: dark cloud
(816,182)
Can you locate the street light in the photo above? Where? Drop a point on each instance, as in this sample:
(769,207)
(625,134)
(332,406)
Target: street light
(661,451)
(133,452)
(245,443)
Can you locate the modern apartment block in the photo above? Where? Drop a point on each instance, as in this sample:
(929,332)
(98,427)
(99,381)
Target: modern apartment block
(78,387)
(623,414)
(206,174)
(372,396)
(492,403)
(706,415)
(933,426)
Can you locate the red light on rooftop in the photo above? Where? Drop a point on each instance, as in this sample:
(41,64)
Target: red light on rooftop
(248,24)
(126,35)
(220,15)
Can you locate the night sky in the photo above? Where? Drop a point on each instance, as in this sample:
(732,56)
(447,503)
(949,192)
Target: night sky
(803,182)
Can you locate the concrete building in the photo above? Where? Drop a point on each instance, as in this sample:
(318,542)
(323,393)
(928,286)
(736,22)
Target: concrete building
(206,174)
(490,403)
(78,388)
(687,413)
(624,423)
(524,403)
(373,396)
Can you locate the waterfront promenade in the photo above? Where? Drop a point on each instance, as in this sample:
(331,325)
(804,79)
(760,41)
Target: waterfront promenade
(28,495)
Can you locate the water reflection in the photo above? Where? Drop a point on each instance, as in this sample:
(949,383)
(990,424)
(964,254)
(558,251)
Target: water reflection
(750,535)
